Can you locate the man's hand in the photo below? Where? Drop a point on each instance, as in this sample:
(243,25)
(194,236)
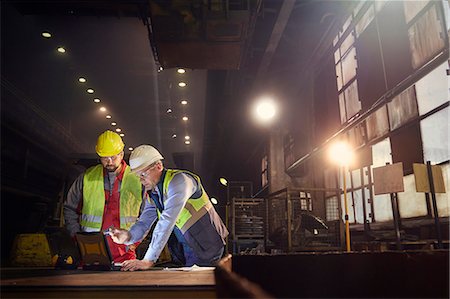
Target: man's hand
(133,265)
(119,235)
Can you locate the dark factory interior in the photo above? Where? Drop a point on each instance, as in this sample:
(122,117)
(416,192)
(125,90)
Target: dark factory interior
(319,129)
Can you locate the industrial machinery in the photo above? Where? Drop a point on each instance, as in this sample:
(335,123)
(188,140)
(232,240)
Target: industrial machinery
(248,218)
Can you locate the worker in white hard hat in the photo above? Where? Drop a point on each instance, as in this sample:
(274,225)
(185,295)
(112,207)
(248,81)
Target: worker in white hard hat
(177,200)
(106,195)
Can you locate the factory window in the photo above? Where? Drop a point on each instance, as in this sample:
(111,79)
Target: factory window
(407,146)
(381,153)
(432,90)
(402,108)
(435,136)
(355,136)
(332,208)
(365,20)
(411,203)
(426,35)
(371,80)
(377,124)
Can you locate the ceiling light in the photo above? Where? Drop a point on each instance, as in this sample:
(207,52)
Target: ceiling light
(169,110)
(160,68)
(181,71)
(182,84)
(130,148)
(174,135)
(90,90)
(102,109)
(185,118)
(108,116)
(183,102)
(214,201)
(96,100)
(82,80)
(46,34)
(113,123)
(223,181)
(121,134)
(187,137)
(187,142)
(265,110)
(61,50)
(118,130)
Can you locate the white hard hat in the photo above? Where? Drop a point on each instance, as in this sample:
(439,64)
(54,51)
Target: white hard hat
(143,156)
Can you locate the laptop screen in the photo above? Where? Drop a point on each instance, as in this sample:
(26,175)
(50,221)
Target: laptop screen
(94,251)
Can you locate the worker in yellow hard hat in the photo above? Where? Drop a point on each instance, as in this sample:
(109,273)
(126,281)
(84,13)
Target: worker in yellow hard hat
(106,195)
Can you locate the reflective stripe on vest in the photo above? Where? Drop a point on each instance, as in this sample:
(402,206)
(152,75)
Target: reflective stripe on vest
(194,208)
(94,189)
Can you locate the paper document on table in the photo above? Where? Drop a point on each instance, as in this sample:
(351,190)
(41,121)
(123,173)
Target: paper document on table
(188,269)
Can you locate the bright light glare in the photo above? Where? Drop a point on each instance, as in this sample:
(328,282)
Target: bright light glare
(185,118)
(102,109)
(341,153)
(187,142)
(118,130)
(181,71)
(187,137)
(96,100)
(182,84)
(61,50)
(90,90)
(183,102)
(214,201)
(223,181)
(265,110)
(46,34)
(130,148)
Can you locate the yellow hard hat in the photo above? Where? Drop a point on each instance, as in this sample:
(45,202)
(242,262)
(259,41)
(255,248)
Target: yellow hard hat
(109,144)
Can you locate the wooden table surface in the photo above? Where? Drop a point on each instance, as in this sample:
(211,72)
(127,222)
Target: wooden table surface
(24,282)
(51,277)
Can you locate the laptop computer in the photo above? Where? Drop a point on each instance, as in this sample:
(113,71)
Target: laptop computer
(94,252)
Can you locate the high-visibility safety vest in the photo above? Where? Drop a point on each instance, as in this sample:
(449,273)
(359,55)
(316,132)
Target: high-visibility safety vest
(194,208)
(94,199)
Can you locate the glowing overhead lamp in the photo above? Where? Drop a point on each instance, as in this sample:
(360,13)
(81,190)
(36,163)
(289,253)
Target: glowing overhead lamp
(113,123)
(187,142)
(82,80)
(90,90)
(122,135)
(265,110)
(181,71)
(223,181)
(182,84)
(118,130)
(185,118)
(214,201)
(341,154)
(187,137)
(96,100)
(102,109)
(108,116)
(46,34)
(61,50)
(169,110)
(174,135)
(130,148)
(183,102)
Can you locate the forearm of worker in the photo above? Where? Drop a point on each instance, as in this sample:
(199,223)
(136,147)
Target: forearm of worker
(71,205)
(139,230)
(180,190)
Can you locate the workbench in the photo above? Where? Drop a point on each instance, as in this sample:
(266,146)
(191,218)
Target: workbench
(160,283)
